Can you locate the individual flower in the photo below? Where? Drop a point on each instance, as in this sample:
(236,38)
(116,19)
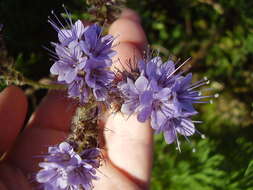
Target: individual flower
(78,89)
(62,154)
(174,125)
(184,94)
(144,98)
(96,46)
(98,77)
(162,72)
(70,63)
(64,169)
(73,33)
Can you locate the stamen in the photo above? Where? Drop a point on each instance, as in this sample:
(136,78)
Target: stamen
(198,85)
(216,95)
(197,121)
(203,136)
(178,142)
(179,67)
(68,15)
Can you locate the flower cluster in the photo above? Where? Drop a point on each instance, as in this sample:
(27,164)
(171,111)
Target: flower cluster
(162,94)
(64,169)
(82,59)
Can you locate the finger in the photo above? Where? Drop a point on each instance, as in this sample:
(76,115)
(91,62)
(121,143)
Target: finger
(128,142)
(111,178)
(32,144)
(127,29)
(54,112)
(129,146)
(13,108)
(130,39)
(48,126)
(13,178)
(131,15)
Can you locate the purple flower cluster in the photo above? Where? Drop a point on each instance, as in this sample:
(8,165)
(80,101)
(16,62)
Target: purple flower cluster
(162,94)
(82,60)
(64,169)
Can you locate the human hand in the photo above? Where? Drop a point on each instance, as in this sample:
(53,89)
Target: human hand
(128,143)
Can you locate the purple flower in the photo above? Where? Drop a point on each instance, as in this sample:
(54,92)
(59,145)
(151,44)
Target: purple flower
(163,95)
(70,63)
(78,89)
(144,98)
(62,154)
(185,94)
(64,169)
(177,125)
(73,33)
(96,46)
(82,60)
(163,73)
(98,77)
(173,125)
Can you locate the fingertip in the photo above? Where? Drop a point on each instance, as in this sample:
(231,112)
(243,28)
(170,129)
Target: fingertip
(130,14)
(127,30)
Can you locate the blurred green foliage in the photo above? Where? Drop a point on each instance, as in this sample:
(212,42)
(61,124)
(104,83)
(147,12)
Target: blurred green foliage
(218,35)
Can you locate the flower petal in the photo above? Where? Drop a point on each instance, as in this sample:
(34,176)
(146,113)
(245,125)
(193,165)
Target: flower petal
(158,119)
(186,81)
(187,127)
(146,98)
(64,36)
(144,114)
(141,83)
(169,135)
(45,175)
(56,68)
(128,107)
(100,94)
(70,76)
(65,147)
(163,94)
(78,29)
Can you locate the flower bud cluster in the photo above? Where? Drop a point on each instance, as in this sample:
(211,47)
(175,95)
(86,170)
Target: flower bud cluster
(82,60)
(161,94)
(63,168)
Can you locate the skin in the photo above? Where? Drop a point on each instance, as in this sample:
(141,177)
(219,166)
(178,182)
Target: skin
(128,143)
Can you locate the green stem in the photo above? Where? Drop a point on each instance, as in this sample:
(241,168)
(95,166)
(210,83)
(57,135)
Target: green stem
(38,85)
(34,84)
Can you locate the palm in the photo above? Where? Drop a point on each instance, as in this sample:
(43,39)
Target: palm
(128,143)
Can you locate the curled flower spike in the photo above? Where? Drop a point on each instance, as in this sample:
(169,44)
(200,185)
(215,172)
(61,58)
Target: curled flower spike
(82,59)
(64,169)
(162,94)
